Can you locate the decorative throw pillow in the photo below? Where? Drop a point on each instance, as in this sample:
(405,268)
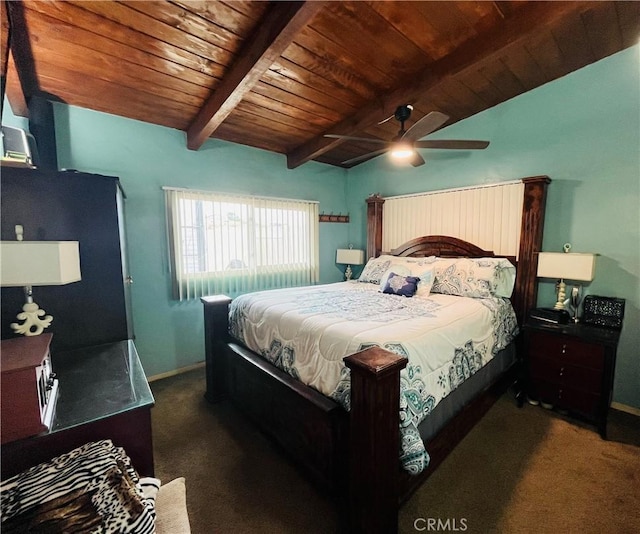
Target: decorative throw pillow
(375,268)
(394,268)
(401,285)
(173,517)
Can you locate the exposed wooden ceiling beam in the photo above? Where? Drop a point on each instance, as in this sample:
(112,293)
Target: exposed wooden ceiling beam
(273,34)
(529,20)
(4,48)
(15,94)
(21,81)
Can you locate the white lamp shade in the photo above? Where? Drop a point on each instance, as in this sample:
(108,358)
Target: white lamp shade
(350,256)
(566,266)
(39,263)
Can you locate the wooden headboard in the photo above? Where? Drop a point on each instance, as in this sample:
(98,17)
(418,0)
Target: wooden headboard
(441,245)
(531,231)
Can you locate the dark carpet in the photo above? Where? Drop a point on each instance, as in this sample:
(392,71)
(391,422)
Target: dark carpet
(523,470)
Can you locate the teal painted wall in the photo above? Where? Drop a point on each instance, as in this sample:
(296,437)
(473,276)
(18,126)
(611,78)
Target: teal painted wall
(169,334)
(583,131)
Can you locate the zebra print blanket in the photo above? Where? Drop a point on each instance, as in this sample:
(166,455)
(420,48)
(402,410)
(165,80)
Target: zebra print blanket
(92,489)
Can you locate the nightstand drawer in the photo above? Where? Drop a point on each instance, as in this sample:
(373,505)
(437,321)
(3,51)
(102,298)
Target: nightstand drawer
(568,349)
(556,372)
(579,401)
(572,399)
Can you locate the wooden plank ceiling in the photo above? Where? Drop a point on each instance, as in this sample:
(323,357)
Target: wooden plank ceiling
(280,75)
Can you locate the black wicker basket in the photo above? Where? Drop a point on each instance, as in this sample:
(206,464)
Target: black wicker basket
(607,312)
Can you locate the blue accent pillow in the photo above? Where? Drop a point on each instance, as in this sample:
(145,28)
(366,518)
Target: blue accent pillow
(401,285)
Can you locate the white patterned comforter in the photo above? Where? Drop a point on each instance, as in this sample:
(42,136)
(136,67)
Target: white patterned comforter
(308,331)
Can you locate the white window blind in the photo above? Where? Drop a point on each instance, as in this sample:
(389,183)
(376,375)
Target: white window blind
(222,243)
(488,215)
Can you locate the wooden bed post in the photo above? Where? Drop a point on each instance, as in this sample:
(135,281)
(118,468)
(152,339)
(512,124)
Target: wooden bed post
(526,287)
(374,440)
(374,225)
(216,336)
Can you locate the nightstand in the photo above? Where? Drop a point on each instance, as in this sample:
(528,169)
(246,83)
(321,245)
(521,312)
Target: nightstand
(571,367)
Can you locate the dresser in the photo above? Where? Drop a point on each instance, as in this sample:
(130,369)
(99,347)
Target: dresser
(571,368)
(103,393)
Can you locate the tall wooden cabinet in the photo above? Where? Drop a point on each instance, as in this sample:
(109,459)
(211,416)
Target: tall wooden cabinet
(103,392)
(79,207)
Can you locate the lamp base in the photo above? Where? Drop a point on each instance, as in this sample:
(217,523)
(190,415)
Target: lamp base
(562,295)
(34,320)
(348,273)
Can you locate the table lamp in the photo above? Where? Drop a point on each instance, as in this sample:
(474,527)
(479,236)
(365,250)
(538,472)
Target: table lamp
(567,266)
(37,263)
(349,256)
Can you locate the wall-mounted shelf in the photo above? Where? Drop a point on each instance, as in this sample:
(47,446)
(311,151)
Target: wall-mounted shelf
(334,218)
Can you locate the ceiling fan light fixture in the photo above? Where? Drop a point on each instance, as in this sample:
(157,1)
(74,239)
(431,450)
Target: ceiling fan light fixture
(402,151)
(402,148)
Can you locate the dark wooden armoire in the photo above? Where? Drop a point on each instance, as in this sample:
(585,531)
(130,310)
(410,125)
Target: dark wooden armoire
(71,206)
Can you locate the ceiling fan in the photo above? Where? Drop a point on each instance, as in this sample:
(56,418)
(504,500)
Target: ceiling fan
(403,146)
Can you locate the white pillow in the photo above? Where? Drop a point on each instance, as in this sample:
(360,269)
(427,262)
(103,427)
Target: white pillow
(412,261)
(427,276)
(474,277)
(375,268)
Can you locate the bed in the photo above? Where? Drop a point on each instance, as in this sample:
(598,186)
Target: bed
(346,432)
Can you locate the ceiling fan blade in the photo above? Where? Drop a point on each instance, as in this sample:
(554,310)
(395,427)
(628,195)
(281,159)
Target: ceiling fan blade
(416,160)
(368,155)
(452,144)
(427,124)
(362,139)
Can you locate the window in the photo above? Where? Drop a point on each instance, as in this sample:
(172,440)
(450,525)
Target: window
(222,243)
